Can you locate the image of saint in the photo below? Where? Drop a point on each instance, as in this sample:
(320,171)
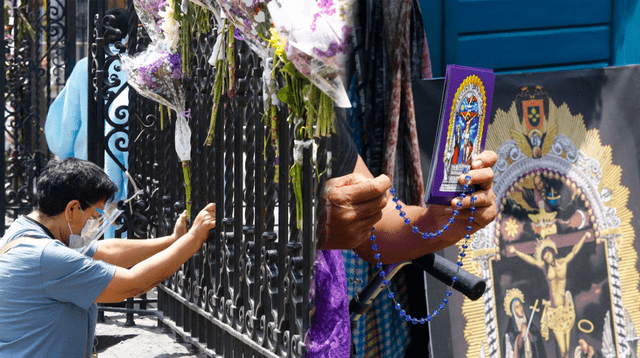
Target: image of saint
(559,313)
(522,338)
(466,126)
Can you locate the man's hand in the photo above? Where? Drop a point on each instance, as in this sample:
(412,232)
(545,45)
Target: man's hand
(181,226)
(205,221)
(353,204)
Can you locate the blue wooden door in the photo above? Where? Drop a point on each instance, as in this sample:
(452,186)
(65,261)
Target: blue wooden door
(523,35)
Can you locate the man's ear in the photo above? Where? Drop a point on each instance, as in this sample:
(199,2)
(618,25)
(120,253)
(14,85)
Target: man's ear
(72,209)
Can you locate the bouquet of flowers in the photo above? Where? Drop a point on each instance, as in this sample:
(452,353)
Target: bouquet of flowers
(251,18)
(149,14)
(156,73)
(317,37)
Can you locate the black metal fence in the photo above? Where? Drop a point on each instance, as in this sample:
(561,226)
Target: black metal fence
(246,292)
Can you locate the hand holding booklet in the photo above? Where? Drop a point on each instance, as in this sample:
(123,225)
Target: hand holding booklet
(462,126)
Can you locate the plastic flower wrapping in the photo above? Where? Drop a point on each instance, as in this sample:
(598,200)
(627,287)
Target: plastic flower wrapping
(317,36)
(149,14)
(156,73)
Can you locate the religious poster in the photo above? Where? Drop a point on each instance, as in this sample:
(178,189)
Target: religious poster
(560,260)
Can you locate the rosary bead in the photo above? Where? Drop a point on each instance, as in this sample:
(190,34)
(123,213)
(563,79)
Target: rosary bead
(467,178)
(424,235)
(392,191)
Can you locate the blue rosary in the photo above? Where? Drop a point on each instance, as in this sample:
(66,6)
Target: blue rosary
(468,190)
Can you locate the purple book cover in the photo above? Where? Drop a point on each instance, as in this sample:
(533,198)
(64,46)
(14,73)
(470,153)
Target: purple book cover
(462,130)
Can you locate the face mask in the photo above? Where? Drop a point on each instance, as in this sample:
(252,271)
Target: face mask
(93,228)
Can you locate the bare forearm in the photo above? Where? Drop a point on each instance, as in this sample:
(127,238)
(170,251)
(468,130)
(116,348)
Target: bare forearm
(396,240)
(128,252)
(149,272)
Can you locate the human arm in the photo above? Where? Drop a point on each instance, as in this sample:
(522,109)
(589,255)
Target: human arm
(128,252)
(577,247)
(151,271)
(396,241)
(526,258)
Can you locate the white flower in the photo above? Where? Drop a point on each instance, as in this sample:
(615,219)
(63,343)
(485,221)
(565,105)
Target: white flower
(170,26)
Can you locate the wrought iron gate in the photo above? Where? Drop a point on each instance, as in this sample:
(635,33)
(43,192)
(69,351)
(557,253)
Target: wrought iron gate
(38,52)
(246,292)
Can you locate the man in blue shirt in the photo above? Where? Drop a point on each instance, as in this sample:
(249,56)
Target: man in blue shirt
(49,288)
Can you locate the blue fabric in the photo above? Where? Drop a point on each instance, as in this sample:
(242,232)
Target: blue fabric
(47,296)
(66,126)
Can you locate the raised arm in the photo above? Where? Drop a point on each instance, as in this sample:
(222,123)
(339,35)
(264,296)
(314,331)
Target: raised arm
(526,258)
(577,247)
(148,273)
(128,252)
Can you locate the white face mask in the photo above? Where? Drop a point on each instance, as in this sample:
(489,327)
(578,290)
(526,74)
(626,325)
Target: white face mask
(93,229)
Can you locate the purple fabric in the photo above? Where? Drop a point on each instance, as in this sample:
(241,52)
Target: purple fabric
(329,334)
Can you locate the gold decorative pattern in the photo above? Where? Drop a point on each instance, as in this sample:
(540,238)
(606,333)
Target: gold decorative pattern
(559,121)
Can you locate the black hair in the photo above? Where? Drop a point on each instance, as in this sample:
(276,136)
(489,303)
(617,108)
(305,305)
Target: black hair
(544,251)
(72,179)
(121,21)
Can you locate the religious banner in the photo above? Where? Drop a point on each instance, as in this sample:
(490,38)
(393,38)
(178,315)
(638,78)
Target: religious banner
(560,260)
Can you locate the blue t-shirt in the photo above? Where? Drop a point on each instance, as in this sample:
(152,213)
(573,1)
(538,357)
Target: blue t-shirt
(47,295)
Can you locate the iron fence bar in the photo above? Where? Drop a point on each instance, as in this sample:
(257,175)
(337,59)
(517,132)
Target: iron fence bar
(70,48)
(95,73)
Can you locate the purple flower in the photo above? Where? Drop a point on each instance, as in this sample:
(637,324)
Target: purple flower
(237,34)
(336,46)
(175,62)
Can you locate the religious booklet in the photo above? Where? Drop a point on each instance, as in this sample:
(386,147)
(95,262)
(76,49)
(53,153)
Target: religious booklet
(465,109)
